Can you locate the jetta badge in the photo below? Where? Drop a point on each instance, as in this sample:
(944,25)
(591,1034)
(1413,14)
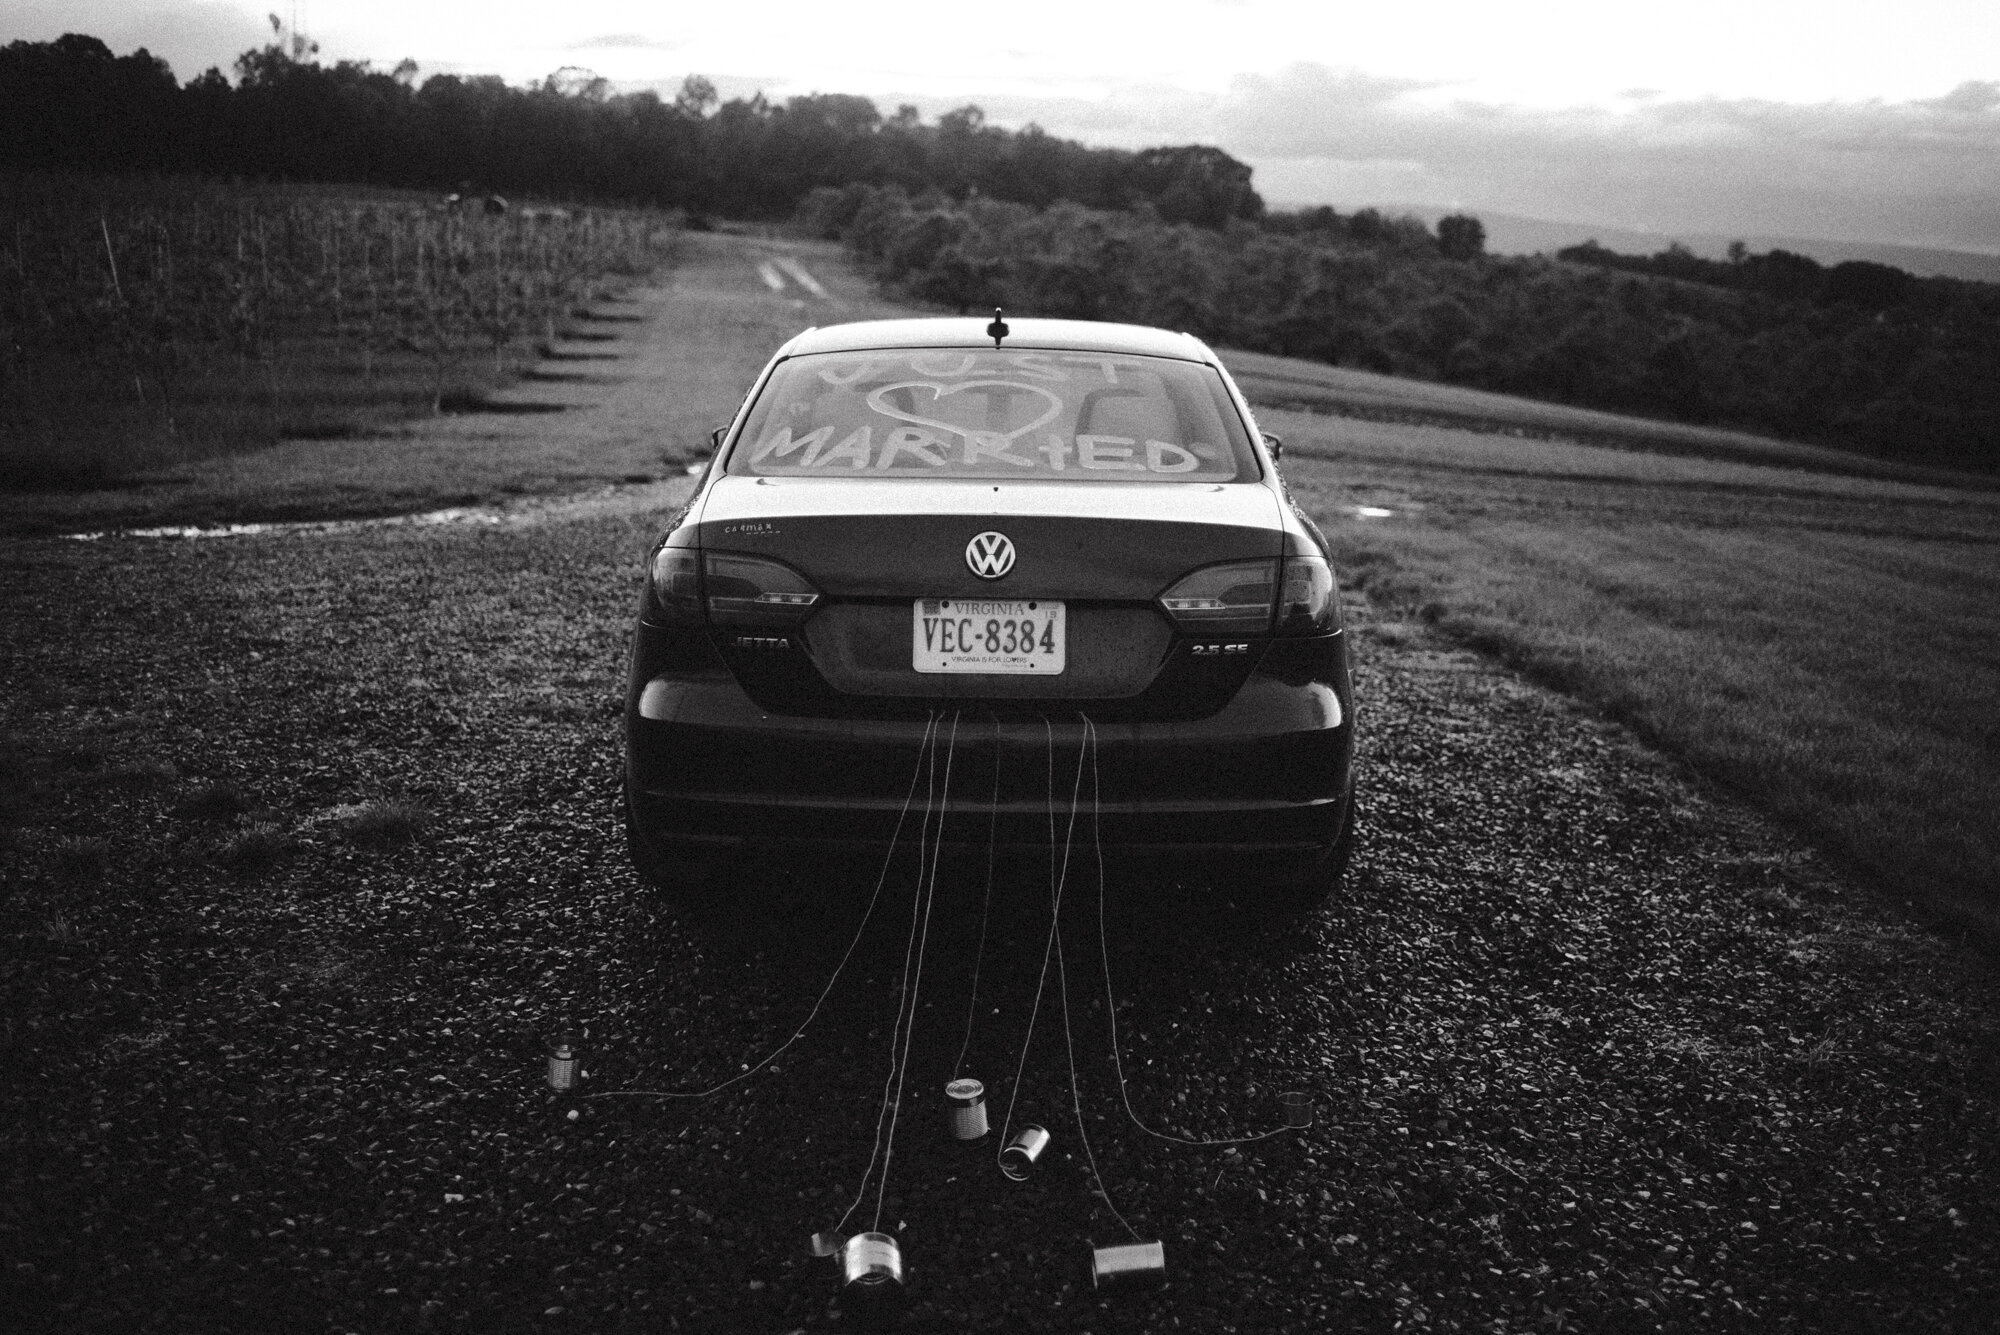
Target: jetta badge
(990,555)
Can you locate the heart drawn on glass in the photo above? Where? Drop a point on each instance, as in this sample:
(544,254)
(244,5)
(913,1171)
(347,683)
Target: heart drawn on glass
(987,441)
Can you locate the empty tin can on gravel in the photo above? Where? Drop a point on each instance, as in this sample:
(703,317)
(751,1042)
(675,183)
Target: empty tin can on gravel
(967,1111)
(562,1063)
(871,1270)
(1018,1160)
(826,1244)
(1298,1106)
(1131,1265)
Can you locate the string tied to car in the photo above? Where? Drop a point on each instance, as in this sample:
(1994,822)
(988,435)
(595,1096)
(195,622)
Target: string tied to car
(871,1262)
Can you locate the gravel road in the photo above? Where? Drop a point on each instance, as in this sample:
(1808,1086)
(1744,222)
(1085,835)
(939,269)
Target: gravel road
(1590,1048)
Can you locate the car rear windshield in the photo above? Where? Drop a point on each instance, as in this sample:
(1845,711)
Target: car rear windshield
(994,413)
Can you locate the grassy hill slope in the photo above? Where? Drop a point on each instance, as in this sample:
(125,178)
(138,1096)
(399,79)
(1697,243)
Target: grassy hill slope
(1825,644)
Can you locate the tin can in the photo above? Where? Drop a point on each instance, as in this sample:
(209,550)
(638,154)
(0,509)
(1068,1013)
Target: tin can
(826,1244)
(562,1063)
(1128,1266)
(967,1111)
(871,1271)
(1298,1106)
(1018,1160)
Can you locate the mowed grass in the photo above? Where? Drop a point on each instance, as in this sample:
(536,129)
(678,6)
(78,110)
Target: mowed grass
(1826,645)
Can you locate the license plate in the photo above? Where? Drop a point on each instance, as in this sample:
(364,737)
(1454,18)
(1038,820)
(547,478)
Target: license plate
(986,635)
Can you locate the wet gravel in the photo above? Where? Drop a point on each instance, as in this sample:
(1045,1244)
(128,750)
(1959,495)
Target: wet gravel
(1589,1048)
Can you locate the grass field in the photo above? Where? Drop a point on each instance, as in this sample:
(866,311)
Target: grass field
(1824,644)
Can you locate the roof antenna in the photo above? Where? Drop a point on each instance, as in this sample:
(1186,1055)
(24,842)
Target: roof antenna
(998,329)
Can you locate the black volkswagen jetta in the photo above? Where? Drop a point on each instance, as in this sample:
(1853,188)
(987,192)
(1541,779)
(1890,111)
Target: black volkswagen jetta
(1064,546)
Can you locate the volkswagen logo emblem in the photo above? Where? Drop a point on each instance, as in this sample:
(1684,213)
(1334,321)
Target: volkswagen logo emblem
(990,555)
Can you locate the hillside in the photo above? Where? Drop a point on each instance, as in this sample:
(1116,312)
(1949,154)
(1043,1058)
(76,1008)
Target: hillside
(1859,357)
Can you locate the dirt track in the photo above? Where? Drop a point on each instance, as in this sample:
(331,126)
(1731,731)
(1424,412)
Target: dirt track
(1590,1049)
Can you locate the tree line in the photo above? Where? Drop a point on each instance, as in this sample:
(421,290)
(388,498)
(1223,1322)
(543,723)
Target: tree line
(1834,360)
(75,106)
(1776,273)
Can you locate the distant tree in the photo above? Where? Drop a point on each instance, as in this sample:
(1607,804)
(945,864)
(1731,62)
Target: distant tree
(840,113)
(297,47)
(267,66)
(1678,261)
(1196,183)
(1783,274)
(966,120)
(1404,234)
(1461,237)
(1321,219)
(1871,286)
(696,98)
(574,81)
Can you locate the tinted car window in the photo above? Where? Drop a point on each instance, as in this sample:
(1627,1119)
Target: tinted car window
(994,413)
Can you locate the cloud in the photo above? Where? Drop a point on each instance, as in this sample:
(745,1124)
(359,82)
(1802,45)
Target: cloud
(1919,172)
(624,41)
(1922,170)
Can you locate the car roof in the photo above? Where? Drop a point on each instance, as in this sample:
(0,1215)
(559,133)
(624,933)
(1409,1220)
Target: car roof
(970,332)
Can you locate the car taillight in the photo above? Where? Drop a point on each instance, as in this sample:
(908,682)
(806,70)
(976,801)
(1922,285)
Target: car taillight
(1308,602)
(750,591)
(729,589)
(1295,596)
(1229,599)
(677,583)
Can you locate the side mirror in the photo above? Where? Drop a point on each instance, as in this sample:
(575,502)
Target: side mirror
(1275,445)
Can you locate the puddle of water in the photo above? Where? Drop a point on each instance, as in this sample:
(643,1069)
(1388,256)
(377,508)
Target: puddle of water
(1371,512)
(461,514)
(633,497)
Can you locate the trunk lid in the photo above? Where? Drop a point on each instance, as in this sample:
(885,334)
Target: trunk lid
(1105,550)
(1117,542)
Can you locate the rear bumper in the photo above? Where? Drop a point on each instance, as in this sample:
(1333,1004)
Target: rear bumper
(709,769)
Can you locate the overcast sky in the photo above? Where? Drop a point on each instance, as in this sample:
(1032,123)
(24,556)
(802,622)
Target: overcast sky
(1873,120)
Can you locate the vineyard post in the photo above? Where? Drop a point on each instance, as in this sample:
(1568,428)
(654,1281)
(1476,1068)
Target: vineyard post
(124,308)
(169,358)
(269,352)
(431,306)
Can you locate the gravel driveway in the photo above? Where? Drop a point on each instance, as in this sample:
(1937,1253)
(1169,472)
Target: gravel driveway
(1590,1048)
